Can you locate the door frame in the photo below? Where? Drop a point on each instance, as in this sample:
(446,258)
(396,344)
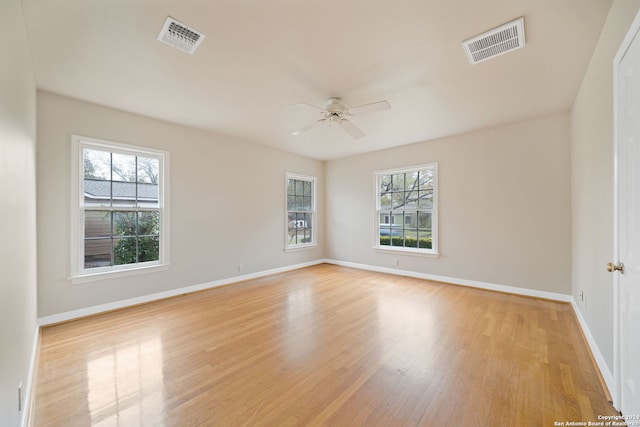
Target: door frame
(616,393)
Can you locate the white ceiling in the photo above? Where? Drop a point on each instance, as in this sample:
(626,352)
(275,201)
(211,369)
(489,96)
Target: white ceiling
(261,57)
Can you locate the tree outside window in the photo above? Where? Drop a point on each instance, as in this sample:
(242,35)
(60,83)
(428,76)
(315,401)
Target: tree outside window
(121,207)
(406,208)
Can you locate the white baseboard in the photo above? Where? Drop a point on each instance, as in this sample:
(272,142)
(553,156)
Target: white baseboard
(463,282)
(96,309)
(27,399)
(595,350)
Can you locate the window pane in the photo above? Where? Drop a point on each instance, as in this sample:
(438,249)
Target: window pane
(410,241)
(148,223)
(97,174)
(301,218)
(426,199)
(124,224)
(97,224)
(125,251)
(385,201)
(410,220)
(97,193)
(148,249)
(424,220)
(411,181)
(291,217)
(298,224)
(97,164)
(307,189)
(97,253)
(148,170)
(426,179)
(397,182)
(123,167)
(425,243)
(291,186)
(411,199)
(398,200)
(291,203)
(385,183)
(124,193)
(385,236)
(299,187)
(292,228)
(148,195)
(397,237)
(306,203)
(307,228)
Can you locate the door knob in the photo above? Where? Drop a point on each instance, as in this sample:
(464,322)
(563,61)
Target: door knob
(611,267)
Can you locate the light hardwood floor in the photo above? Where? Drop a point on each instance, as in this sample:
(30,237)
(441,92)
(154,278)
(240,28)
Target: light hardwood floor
(324,345)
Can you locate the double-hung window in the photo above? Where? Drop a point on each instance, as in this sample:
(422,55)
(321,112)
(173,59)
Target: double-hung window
(406,209)
(301,216)
(120,212)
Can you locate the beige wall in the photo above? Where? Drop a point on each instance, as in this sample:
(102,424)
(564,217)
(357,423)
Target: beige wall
(504,196)
(227,204)
(17,211)
(592,180)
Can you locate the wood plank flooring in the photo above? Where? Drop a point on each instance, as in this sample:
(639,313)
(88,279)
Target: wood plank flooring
(324,345)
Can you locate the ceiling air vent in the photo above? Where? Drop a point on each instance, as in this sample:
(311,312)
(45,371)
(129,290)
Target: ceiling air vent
(178,35)
(503,39)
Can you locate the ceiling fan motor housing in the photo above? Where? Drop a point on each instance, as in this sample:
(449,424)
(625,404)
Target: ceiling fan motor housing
(334,105)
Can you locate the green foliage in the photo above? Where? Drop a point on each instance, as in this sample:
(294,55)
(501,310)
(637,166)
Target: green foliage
(147,248)
(409,242)
(139,241)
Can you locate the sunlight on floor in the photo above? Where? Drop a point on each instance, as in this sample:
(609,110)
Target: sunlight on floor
(300,337)
(125,387)
(405,326)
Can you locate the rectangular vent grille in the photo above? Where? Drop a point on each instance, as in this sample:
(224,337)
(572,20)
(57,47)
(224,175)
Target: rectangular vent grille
(498,41)
(178,35)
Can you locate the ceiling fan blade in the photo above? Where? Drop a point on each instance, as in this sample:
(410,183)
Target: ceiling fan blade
(369,108)
(308,127)
(351,129)
(309,107)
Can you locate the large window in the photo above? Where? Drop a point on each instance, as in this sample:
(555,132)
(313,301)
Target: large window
(300,227)
(406,209)
(121,211)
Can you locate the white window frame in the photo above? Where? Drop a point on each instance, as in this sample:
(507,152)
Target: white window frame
(79,274)
(314,219)
(433,252)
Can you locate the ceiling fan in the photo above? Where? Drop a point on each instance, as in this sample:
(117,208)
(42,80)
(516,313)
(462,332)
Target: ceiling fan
(336,112)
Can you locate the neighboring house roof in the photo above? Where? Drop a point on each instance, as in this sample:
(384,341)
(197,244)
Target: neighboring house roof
(96,189)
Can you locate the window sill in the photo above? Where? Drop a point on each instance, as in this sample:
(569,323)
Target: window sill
(406,251)
(114,274)
(300,247)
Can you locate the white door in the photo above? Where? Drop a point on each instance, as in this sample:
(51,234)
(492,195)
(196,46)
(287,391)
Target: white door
(627,281)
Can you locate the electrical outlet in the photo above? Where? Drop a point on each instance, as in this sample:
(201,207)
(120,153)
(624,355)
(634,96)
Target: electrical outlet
(20,397)
(240,268)
(581,294)
(396,262)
